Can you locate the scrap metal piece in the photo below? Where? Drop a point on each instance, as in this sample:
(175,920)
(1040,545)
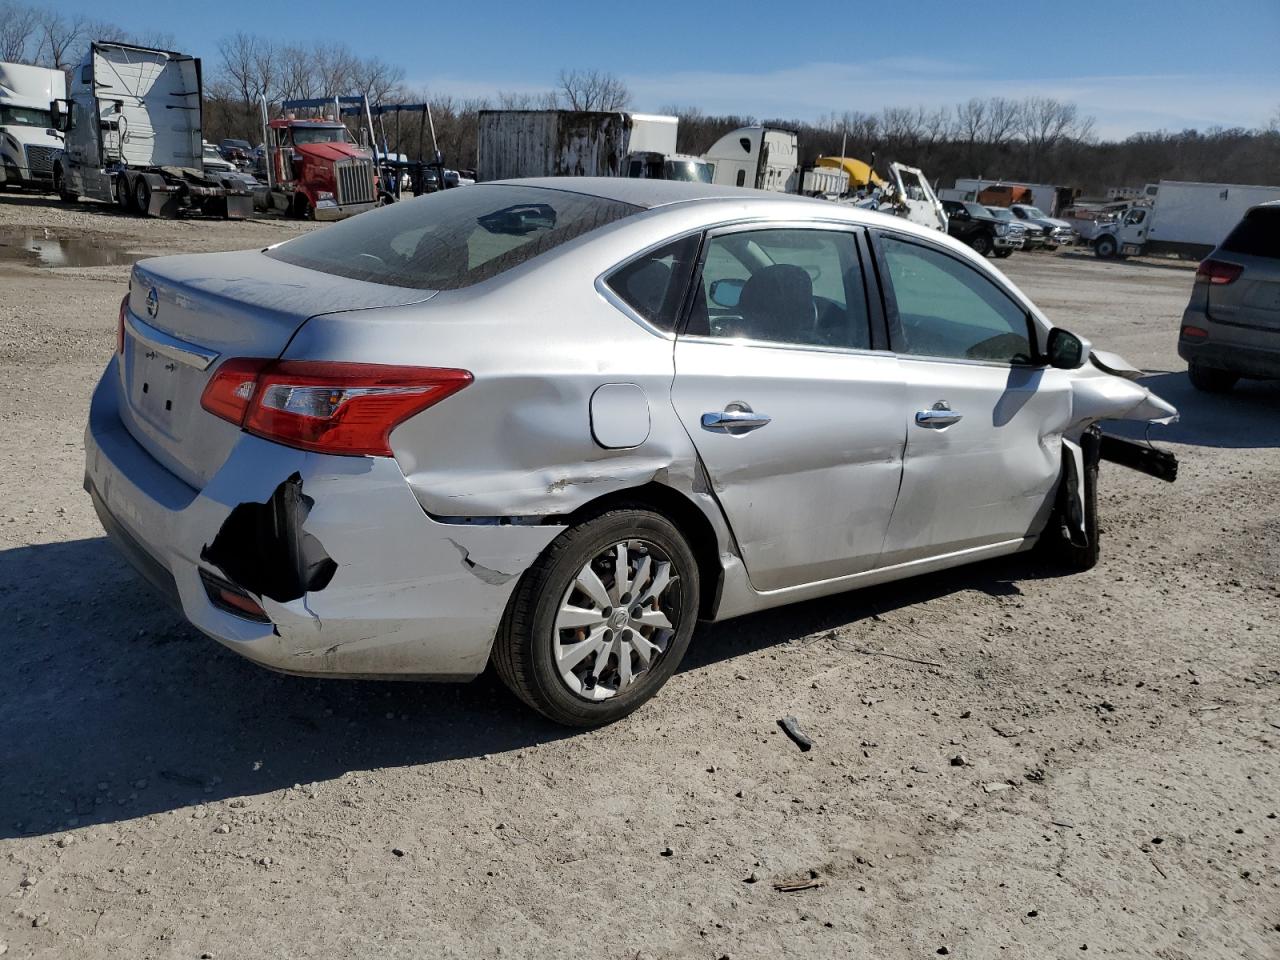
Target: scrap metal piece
(1160,464)
(792,729)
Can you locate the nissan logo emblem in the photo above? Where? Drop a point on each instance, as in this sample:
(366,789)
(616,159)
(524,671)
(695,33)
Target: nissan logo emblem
(153,303)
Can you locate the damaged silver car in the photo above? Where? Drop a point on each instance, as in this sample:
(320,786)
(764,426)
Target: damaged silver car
(554,423)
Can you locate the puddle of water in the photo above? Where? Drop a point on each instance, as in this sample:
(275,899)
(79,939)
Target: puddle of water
(28,245)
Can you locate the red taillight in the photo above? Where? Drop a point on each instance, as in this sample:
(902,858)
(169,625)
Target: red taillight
(124,305)
(329,407)
(1194,333)
(228,392)
(1218,272)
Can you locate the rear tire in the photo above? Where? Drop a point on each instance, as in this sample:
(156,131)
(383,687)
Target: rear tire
(141,196)
(1106,247)
(1211,379)
(533,629)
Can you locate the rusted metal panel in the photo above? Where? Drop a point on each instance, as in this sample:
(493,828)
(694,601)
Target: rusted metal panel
(551,143)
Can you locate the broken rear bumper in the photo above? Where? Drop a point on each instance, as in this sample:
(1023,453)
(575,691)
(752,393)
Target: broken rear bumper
(373,586)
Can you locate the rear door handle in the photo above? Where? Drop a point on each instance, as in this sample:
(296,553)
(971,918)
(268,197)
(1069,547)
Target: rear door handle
(938,416)
(732,420)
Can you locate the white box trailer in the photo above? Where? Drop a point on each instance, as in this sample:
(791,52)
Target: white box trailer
(28,142)
(580,143)
(1185,219)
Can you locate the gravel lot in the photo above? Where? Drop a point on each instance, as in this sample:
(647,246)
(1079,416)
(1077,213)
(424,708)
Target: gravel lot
(160,797)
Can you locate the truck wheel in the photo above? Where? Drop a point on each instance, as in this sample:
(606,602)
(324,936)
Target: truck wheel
(1105,247)
(141,195)
(124,194)
(1002,254)
(602,620)
(981,244)
(302,207)
(1211,379)
(60,186)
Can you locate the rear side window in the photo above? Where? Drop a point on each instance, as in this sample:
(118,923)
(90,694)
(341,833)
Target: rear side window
(653,284)
(451,239)
(1257,235)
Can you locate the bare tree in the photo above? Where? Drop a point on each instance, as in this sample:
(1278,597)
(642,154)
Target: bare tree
(60,38)
(592,90)
(295,74)
(335,69)
(1044,123)
(377,80)
(19,32)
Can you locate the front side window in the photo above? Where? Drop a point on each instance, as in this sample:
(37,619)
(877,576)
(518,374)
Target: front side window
(948,309)
(453,238)
(653,284)
(783,286)
(24,117)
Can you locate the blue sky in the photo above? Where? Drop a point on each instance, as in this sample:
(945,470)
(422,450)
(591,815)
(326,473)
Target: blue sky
(1132,65)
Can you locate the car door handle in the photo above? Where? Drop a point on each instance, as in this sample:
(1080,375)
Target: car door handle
(938,416)
(734,420)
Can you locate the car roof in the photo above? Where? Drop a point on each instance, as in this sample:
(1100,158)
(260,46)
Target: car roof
(649,193)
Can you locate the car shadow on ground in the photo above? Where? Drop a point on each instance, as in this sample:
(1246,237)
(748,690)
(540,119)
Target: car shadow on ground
(113,708)
(1245,418)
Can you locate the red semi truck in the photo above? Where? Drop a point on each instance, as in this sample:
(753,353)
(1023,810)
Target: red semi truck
(313,168)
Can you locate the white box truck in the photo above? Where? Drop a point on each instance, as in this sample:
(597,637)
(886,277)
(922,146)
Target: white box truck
(133,135)
(28,142)
(581,143)
(1184,219)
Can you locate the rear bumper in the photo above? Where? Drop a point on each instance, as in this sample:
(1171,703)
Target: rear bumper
(1240,350)
(406,596)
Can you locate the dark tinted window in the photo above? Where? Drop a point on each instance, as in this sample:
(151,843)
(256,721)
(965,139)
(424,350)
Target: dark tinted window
(453,238)
(948,309)
(653,285)
(1257,235)
(783,286)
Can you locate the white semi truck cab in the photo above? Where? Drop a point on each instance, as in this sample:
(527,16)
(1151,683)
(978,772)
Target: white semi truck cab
(133,136)
(28,142)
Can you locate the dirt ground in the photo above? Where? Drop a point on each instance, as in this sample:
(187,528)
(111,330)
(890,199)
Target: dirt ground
(162,798)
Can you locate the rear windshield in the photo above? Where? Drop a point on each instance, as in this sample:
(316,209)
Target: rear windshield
(451,239)
(1257,235)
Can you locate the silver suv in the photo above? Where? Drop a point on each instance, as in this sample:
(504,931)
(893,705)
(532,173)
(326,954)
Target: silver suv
(1231,327)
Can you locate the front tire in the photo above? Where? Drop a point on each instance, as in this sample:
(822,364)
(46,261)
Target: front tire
(602,620)
(60,186)
(981,244)
(1056,539)
(1211,379)
(1003,254)
(1106,247)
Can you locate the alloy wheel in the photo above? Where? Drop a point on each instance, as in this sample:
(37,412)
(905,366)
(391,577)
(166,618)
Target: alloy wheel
(616,620)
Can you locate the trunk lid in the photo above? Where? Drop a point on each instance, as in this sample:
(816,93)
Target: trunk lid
(187,314)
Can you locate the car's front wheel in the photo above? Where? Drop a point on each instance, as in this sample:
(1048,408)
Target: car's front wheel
(981,244)
(602,620)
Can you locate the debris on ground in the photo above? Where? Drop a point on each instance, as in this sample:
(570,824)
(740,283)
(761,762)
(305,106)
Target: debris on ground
(792,729)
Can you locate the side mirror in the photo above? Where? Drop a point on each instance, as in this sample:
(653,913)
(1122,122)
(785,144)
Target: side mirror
(1065,350)
(60,114)
(726,293)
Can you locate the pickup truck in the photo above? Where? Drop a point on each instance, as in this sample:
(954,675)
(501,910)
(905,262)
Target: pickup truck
(973,224)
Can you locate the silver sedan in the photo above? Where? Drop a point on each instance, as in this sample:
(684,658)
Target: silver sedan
(554,423)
